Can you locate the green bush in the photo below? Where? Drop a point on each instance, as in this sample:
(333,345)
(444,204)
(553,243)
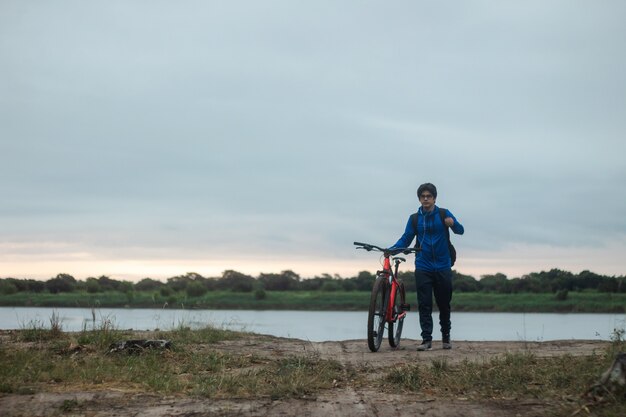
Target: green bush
(561,295)
(196,289)
(93,286)
(331,286)
(7,288)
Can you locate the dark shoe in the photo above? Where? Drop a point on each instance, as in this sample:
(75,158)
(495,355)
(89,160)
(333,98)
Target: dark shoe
(426,345)
(446,343)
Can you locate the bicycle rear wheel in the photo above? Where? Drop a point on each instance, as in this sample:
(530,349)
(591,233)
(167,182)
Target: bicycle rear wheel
(394,336)
(376,314)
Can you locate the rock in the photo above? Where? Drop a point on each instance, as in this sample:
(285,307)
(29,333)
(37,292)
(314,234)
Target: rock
(138,346)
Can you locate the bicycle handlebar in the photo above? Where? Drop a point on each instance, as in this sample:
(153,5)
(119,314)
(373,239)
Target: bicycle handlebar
(368,247)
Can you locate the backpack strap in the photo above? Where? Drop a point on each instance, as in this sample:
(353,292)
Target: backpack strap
(451,249)
(442,214)
(414,222)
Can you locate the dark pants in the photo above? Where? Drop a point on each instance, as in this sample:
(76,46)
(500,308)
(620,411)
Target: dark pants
(440,284)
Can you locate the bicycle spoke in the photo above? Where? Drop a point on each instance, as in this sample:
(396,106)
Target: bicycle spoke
(376,315)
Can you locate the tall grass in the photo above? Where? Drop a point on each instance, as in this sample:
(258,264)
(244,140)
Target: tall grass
(100,335)
(36,331)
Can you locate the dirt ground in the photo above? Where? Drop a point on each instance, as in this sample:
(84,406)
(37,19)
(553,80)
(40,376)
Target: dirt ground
(345,400)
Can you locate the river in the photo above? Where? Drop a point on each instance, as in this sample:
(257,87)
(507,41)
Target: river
(318,326)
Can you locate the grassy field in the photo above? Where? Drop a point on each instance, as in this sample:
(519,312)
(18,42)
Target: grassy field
(589,302)
(577,302)
(34,360)
(514,376)
(81,361)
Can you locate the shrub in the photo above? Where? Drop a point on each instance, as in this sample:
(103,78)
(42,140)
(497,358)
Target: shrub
(93,286)
(7,288)
(236,281)
(561,295)
(331,286)
(61,283)
(148,284)
(196,289)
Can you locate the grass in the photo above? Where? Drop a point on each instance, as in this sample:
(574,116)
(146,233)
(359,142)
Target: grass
(35,330)
(558,380)
(47,359)
(292,300)
(289,377)
(511,377)
(576,302)
(67,361)
(590,302)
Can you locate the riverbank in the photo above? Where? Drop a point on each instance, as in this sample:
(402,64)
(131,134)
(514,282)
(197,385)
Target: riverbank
(217,372)
(575,302)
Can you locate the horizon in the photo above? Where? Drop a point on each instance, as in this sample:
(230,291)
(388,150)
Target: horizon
(254,272)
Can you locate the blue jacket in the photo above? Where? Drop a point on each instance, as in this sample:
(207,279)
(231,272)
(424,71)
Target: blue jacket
(434,255)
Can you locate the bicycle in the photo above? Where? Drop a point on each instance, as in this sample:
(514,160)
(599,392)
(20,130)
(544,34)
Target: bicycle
(388,299)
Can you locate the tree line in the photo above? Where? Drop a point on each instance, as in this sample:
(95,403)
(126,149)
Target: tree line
(193,284)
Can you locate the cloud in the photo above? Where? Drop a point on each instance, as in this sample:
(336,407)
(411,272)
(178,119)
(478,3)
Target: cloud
(251,131)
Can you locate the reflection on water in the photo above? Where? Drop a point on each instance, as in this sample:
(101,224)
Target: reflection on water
(320,326)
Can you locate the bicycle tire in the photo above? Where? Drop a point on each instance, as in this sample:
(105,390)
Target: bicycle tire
(394,336)
(376,314)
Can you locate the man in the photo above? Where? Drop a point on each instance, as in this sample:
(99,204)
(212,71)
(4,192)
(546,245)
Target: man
(433,269)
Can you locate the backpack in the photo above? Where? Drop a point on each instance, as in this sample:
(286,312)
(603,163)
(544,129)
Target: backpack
(442,214)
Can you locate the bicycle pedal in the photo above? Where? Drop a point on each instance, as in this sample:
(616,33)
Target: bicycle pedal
(405,307)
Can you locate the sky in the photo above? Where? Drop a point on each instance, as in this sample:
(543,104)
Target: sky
(155,138)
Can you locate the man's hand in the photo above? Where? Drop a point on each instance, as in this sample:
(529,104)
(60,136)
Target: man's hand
(449,221)
(392,252)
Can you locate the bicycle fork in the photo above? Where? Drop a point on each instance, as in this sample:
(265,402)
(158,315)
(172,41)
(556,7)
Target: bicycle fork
(393,286)
(389,316)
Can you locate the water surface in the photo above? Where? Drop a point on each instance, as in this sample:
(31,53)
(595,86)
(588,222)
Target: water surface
(320,326)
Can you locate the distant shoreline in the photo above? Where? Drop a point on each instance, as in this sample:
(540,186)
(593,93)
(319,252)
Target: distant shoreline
(572,302)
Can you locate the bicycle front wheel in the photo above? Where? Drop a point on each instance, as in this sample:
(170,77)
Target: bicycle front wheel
(376,314)
(395,331)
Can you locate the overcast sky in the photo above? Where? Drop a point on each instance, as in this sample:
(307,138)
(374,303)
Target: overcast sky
(154,138)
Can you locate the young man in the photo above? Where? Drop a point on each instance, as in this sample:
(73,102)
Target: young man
(433,270)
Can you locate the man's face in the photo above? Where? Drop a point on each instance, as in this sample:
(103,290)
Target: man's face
(427,200)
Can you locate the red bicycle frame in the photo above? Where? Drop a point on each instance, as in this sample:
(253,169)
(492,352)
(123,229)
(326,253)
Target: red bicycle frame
(393,286)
